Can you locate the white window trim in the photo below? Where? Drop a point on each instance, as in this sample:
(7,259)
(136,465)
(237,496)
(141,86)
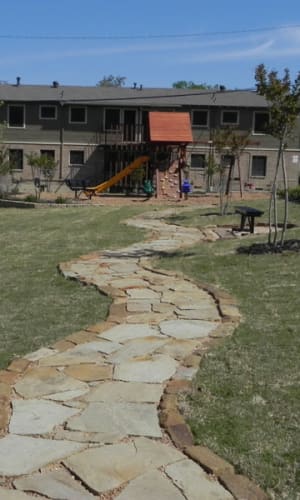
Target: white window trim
(24,115)
(47,106)
(85,115)
(253,122)
(77,164)
(195,125)
(230,111)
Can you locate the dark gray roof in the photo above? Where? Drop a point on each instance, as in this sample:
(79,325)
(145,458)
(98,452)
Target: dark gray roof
(147,97)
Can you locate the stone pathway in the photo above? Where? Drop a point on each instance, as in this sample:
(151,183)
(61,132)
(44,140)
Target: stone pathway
(86,413)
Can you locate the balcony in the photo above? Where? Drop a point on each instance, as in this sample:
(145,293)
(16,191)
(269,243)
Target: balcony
(124,134)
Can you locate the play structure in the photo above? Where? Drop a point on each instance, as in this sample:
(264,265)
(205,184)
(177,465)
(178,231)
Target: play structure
(90,191)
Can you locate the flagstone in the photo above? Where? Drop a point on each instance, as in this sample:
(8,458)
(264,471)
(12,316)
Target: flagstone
(209,313)
(57,484)
(88,437)
(195,483)
(137,347)
(13,495)
(142,305)
(187,329)
(130,392)
(36,416)
(143,293)
(39,354)
(89,372)
(121,333)
(154,369)
(178,348)
(91,352)
(22,454)
(151,486)
(109,467)
(67,396)
(44,381)
(138,419)
(128,283)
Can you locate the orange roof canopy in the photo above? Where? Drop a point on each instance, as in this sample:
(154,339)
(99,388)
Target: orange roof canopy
(170,127)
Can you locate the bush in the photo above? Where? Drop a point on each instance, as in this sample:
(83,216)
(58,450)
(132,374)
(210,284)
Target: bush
(31,198)
(294,194)
(61,200)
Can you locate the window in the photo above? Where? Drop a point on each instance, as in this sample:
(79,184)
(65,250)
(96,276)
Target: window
(261,122)
(16,159)
(200,118)
(259,166)
(230,117)
(112,119)
(76,157)
(198,161)
(48,112)
(50,153)
(16,116)
(77,114)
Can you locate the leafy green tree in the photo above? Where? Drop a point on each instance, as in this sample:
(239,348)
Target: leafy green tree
(282,96)
(184,84)
(112,81)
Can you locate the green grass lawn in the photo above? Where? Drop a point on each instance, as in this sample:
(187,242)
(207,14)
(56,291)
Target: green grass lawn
(39,306)
(246,399)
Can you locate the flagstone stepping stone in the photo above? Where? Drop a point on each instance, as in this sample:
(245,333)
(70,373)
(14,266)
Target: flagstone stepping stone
(209,313)
(143,293)
(136,419)
(137,306)
(185,373)
(195,483)
(89,372)
(90,352)
(109,467)
(121,333)
(88,437)
(151,486)
(178,348)
(57,484)
(67,395)
(44,352)
(128,283)
(36,416)
(44,381)
(131,392)
(137,347)
(22,454)
(13,495)
(154,369)
(187,329)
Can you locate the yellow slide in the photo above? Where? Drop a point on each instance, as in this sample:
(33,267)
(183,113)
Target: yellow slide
(90,191)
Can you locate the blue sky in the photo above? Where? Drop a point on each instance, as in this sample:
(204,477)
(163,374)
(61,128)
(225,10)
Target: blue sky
(227,58)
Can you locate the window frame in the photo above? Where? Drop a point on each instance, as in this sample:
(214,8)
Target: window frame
(76,122)
(22,158)
(253,123)
(201,169)
(47,106)
(45,152)
(24,115)
(237,122)
(76,151)
(196,125)
(265,167)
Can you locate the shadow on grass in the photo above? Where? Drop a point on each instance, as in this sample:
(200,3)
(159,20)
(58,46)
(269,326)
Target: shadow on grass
(292,245)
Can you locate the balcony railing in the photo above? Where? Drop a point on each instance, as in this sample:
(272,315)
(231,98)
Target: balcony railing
(124,133)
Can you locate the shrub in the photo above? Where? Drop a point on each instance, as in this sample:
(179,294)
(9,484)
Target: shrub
(31,198)
(61,200)
(294,194)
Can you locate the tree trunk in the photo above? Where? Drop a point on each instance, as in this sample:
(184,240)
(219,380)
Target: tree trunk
(286,200)
(273,200)
(228,184)
(240,177)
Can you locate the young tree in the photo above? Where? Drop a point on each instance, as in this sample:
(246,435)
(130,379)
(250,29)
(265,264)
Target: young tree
(112,81)
(228,142)
(283,99)
(41,166)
